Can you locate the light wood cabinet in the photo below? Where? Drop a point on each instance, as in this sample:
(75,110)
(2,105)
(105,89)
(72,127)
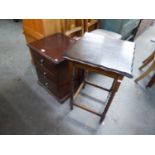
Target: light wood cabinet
(35,29)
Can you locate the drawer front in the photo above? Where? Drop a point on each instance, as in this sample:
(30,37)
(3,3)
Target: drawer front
(47,74)
(60,91)
(41,61)
(51,86)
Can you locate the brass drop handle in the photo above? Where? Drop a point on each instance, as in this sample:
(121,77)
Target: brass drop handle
(41,61)
(44,73)
(46,84)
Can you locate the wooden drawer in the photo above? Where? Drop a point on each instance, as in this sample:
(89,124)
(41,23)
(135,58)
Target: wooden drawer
(60,77)
(52,70)
(50,85)
(41,61)
(47,74)
(60,93)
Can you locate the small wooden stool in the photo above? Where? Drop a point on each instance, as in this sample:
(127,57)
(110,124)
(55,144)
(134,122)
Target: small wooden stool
(106,56)
(149,60)
(150,68)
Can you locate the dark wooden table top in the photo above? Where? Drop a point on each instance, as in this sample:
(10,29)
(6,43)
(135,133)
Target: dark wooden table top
(52,46)
(103,52)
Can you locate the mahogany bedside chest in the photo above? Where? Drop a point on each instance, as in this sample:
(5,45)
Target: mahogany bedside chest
(51,68)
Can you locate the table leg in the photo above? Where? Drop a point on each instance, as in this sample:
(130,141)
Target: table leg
(114,89)
(72,69)
(84,79)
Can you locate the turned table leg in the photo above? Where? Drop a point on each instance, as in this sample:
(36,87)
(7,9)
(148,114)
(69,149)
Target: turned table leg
(72,70)
(114,88)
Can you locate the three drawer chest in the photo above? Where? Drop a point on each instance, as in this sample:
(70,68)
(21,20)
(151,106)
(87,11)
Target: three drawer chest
(52,70)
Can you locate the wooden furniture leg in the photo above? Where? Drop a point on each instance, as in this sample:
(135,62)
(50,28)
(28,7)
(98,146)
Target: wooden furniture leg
(147,61)
(146,72)
(114,89)
(151,82)
(72,70)
(149,58)
(85,76)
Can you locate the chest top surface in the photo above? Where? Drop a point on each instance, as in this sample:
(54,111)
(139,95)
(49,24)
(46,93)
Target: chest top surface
(103,52)
(52,47)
